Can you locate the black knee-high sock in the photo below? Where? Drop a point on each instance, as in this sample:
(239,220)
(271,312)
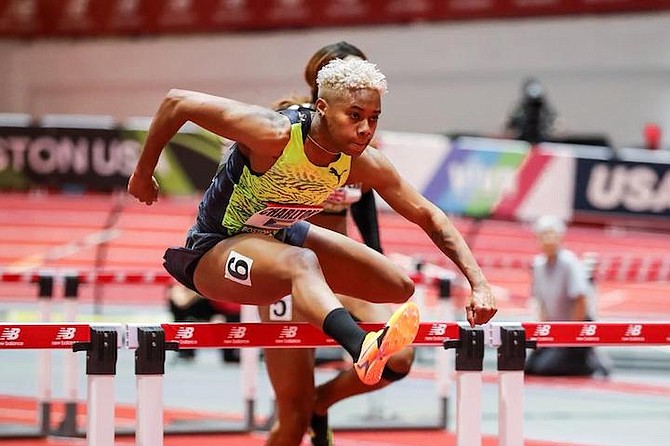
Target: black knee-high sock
(340,326)
(319,425)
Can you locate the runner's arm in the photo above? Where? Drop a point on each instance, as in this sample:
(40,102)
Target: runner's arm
(259,129)
(375,170)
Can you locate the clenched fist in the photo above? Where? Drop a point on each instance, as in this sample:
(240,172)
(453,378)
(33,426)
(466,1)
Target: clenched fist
(482,305)
(144,188)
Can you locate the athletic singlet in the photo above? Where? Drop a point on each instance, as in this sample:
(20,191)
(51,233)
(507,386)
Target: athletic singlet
(293,189)
(342,198)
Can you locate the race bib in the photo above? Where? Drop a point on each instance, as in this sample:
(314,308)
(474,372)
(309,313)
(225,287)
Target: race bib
(282,310)
(238,268)
(279,216)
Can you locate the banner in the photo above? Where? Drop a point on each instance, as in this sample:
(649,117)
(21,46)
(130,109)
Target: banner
(469,176)
(475,175)
(101,160)
(488,177)
(625,188)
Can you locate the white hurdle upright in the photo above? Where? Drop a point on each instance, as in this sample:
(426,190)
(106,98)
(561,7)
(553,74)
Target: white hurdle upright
(444,363)
(100,342)
(45,294)
(468,408)
(512,345)
(149,370)
(469,364)
(249,363)
(68,425)
(101,355)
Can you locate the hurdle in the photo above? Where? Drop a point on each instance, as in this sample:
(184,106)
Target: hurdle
(101,342)
(511,340)
(52,283)
(508,338)
(46,284)
(422,274)
(234,335)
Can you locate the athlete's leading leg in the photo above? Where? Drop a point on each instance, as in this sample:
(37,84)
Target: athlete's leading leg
(353,269)
(258,270)
(347,383)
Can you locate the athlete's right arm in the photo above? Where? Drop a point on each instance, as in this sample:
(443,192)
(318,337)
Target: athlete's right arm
(261,130)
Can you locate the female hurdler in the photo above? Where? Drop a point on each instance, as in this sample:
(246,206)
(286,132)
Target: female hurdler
(250,243)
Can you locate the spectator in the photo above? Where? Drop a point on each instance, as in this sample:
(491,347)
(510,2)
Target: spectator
(533,117)
(562,292)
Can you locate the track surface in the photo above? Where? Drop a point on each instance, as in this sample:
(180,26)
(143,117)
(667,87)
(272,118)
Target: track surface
(59,231)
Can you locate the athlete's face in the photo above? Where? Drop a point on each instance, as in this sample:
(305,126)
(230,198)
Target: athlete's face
(351,119)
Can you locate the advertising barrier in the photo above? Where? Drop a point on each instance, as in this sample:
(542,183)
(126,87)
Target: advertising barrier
(625,188)
(469,176)
(507,179)
(101,160)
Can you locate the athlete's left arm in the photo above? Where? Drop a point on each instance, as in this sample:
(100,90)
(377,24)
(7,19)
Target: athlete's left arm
(374,170)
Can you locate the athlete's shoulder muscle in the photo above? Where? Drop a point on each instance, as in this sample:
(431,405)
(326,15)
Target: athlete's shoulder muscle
(258,128)
(373,169)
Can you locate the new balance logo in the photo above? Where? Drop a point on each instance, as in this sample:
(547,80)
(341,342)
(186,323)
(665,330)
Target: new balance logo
(184,333)
(633,331)
(237,333)
(542,330)
(288,332)
(66,333)
(10,334)
(588,330)
(437,330)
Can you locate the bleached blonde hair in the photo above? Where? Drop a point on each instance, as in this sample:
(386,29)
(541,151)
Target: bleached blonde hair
(352,73)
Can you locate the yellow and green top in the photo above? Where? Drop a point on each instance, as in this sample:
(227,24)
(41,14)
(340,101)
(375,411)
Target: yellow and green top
(293,189)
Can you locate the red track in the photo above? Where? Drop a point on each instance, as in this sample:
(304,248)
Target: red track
(55,231)
(390,438)
(125,416)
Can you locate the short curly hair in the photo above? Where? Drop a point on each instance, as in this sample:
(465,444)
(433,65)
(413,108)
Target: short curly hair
(337,50)
(340,75)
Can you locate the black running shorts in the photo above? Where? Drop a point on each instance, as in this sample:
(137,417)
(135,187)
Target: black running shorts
(181,262)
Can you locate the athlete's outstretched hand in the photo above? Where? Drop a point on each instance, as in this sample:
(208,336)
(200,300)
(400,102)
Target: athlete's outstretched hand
(482,305)
(143,188)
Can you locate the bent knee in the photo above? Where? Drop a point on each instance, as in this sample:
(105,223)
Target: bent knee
(300,260)
(403,290)
(407,287)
